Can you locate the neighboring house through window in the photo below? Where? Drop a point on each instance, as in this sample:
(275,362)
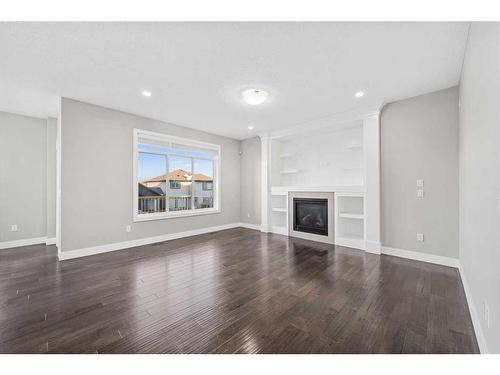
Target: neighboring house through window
(174,176)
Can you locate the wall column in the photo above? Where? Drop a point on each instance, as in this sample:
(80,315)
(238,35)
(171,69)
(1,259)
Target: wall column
(265,181)
(371,140)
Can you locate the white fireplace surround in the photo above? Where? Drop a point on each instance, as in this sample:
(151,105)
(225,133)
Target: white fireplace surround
(338,156)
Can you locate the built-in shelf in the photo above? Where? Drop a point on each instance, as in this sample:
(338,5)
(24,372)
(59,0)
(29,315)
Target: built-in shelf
(279,193)
(285,156)
(289,171)
(349,223)
(279,210)
(351,216)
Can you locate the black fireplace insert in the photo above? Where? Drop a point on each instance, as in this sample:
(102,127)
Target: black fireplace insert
(310,215)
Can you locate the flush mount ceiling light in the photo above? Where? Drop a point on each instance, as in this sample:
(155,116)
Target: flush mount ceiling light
(254,96)
(359,94)
(146,93)
(250,127)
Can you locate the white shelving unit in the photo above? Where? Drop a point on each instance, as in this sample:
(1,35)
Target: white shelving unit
(289,171)
(350,220)
(340,155)
(279,212)
(285,210)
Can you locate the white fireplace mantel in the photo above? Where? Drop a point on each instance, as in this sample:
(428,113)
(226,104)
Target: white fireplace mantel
(319,189)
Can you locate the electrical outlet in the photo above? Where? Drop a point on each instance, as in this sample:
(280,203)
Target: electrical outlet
(486,314)
(13,228)
(248,214)
(420,237)
(420,183)
(420,193)
(128,228)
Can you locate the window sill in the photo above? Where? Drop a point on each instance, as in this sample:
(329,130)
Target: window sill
(172,215)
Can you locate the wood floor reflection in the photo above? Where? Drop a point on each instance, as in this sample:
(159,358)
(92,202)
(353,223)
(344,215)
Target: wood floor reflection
(233,291)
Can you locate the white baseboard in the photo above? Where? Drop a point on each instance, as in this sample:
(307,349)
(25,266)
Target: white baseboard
(64,255)
(353,243)
(265,228)
(279,230)
(373,247)
(50,241)
(250,226)
(25,242)
(423,257)
(476,322)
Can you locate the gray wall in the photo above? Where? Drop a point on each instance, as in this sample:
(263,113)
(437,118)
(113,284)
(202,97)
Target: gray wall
(419,140)
(96,177)
(250,181)
(480,175)
(51,177)
(22,176)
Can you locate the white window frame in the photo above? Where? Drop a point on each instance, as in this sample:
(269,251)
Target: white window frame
(146,134)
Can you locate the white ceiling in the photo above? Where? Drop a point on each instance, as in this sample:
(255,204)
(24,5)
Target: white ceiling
(196,71)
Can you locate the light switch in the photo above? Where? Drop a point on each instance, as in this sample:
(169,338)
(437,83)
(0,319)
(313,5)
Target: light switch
(420,183)
(13,228)
(420,193)
(128,228)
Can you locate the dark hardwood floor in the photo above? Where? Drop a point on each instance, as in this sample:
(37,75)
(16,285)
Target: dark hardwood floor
(234,291)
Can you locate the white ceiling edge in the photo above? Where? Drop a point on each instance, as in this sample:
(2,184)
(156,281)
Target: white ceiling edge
(340,120)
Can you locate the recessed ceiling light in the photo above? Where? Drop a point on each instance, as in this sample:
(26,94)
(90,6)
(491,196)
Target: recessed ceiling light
(250,127)
(254,96)
(146,93)
(359,94)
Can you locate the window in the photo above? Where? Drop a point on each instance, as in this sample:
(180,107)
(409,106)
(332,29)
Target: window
(174,176)
(175,184)
(207,186)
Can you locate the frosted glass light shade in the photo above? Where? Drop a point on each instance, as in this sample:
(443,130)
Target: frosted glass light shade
(254,96)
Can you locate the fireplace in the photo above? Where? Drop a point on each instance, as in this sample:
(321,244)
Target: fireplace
(310,215)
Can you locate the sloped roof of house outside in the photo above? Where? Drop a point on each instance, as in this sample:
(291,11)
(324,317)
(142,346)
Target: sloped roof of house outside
(145,191)
(180,175)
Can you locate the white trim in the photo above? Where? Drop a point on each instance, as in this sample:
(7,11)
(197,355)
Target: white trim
(476,322)
(50,241)
(59,178)
(353,243)
(140,133)
(373,247)
(25,242)
(250,226)
(371,202)
(279,230)
(147,134)
(338,189)
(172,215)
(423,257)
(265,228)
(140,242)
(264,182)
